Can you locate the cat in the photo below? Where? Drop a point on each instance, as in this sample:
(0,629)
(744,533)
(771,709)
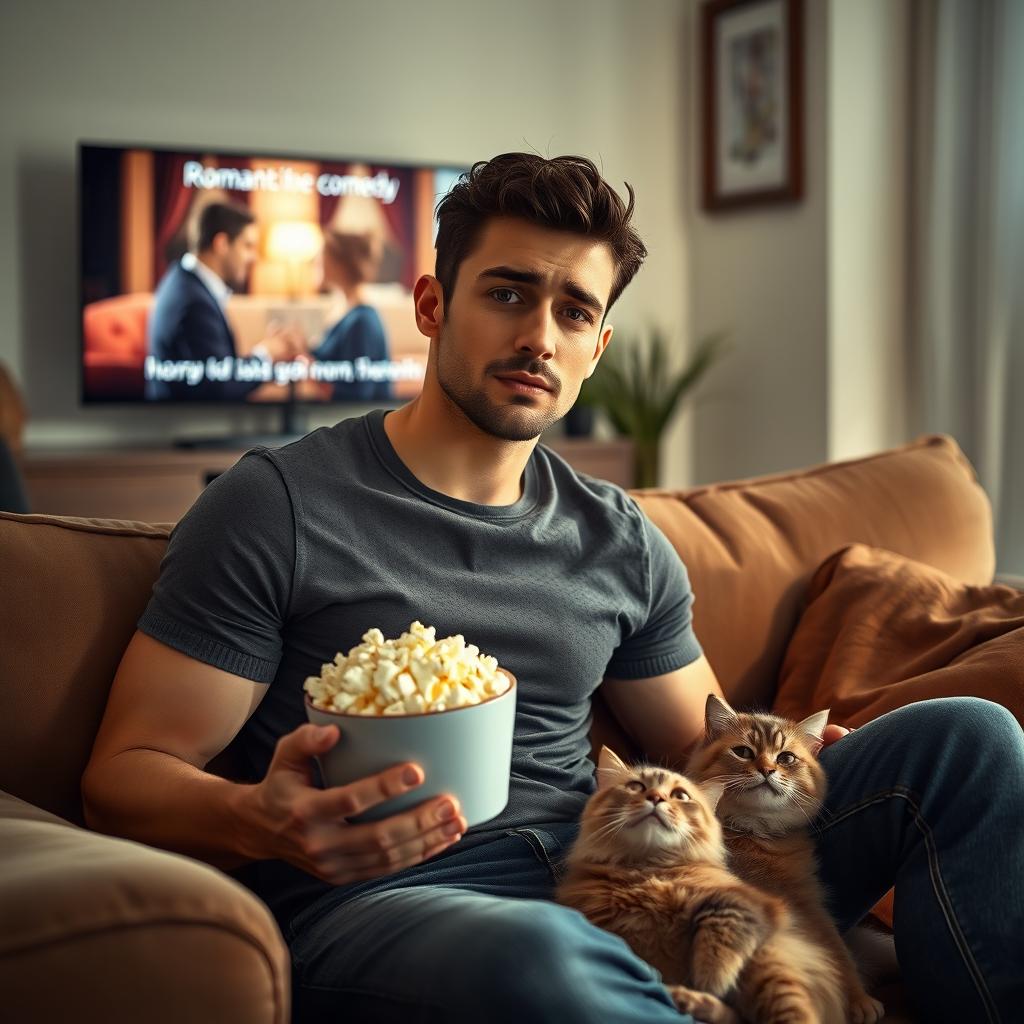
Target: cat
(774,787)
(649,864)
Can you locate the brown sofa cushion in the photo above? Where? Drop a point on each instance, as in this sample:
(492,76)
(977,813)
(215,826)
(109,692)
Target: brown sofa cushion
(881,631)
(752,546)
(76,588)
(105,930)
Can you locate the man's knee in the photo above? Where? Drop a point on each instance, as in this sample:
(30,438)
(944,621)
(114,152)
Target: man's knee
(546,955)
(966,723)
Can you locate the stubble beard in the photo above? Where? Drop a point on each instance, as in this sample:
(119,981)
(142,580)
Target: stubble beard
(516,420)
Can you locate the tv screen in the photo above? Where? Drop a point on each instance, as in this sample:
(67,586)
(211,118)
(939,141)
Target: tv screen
(227,277)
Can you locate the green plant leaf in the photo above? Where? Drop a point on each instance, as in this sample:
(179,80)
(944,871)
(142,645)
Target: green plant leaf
(634,388)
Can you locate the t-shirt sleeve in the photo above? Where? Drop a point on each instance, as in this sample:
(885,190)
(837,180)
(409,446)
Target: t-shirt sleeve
(666,640)
(225,581)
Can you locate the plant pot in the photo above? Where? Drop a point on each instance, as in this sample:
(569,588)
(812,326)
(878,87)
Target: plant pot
(646,463)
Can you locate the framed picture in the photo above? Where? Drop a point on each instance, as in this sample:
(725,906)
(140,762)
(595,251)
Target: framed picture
(753,102)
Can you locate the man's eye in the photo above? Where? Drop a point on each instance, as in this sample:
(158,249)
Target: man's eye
(680,794)
(505,295)
(636,786)
(581,316)
(785,758)
(745,752)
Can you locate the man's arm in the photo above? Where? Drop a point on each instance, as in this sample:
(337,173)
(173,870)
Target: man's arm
(168,715)
(664,715)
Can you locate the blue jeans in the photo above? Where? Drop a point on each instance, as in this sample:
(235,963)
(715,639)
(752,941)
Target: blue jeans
(929,798)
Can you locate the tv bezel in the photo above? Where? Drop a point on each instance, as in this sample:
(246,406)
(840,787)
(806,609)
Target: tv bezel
(199,403)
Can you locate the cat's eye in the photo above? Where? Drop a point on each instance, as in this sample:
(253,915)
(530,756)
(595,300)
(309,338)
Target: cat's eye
(680,794)
(635,785)
(785,758)
(745,752)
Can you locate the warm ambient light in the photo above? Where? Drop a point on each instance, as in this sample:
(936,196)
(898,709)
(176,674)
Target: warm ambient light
(293,241)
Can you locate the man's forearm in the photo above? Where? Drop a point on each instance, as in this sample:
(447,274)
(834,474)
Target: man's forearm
(159,799)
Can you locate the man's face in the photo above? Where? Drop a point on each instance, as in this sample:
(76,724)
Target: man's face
(237,257)
(528,303)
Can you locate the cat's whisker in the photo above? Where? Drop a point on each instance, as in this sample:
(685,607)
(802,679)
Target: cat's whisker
(803,803)
(612,826)
(735,781)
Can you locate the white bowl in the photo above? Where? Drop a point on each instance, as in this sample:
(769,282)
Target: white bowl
(465,751)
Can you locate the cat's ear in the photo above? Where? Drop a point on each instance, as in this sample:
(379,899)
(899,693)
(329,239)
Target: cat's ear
(813,728)
(718,717)
(609,767)
(712,792)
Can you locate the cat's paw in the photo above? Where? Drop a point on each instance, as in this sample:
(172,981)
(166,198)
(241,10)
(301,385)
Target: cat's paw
(864,1009)
(702,1006)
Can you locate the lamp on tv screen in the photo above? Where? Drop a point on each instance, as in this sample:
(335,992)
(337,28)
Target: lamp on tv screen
(224,277)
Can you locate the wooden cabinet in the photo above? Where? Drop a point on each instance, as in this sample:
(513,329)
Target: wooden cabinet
(158,486)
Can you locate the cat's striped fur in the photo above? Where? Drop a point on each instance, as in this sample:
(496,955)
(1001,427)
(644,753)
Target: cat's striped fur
(650,866)
(773,788)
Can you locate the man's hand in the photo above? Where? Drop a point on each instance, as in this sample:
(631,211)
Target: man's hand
(832,733)
(281,343)
(307,826)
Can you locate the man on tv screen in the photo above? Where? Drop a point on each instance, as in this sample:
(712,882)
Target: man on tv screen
(187,326)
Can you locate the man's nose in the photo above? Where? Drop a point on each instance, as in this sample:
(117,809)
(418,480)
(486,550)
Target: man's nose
(538,335)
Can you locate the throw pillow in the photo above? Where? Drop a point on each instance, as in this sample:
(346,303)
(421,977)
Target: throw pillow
(880,631)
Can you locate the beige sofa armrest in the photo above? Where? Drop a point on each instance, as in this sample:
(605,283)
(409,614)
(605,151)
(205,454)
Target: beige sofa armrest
(102,929)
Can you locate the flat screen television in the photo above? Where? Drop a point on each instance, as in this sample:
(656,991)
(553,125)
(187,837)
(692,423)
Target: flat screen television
(310,302)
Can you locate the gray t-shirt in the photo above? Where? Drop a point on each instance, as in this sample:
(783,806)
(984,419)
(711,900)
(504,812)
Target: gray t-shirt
(291,555)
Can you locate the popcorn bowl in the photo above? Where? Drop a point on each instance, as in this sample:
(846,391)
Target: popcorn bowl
(465,751)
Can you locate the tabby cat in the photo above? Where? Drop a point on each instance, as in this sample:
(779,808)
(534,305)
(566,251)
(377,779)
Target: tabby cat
(650,866)
(774,787)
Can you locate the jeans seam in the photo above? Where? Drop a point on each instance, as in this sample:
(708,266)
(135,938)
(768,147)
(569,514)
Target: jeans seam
(536,844)
(938,884)
(543,851)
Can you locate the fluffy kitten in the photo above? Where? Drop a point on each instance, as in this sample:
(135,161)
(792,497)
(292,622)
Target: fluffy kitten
(649,865)
(774,786)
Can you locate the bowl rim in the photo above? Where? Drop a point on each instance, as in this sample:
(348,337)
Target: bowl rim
(417,714)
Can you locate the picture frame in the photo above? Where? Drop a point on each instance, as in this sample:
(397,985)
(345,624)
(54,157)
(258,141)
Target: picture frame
(752,64)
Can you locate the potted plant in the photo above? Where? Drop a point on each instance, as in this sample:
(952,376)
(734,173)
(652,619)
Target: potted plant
(634,387)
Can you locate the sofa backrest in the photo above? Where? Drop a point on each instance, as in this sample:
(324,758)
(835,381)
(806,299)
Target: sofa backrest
(751,546)
(71,590)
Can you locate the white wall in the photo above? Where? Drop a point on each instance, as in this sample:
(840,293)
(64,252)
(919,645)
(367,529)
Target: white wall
(452,80)
(762,274)
(813,294)
(867,210)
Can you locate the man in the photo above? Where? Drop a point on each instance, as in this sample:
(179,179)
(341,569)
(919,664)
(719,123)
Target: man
(187,321)
(448,511)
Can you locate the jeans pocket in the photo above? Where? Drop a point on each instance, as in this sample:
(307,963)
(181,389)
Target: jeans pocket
(546,847)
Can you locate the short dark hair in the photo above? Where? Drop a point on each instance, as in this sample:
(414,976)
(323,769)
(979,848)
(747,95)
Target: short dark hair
(566,193)
(217,218)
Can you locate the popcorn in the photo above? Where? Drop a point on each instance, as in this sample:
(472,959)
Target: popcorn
(412,675)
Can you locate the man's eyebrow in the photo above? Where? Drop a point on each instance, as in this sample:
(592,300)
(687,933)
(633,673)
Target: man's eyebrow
(581,295)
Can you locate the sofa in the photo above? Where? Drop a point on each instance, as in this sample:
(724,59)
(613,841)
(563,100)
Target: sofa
(102,929)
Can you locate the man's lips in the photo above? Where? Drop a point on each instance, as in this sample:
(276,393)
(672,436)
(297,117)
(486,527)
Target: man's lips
(524,382)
